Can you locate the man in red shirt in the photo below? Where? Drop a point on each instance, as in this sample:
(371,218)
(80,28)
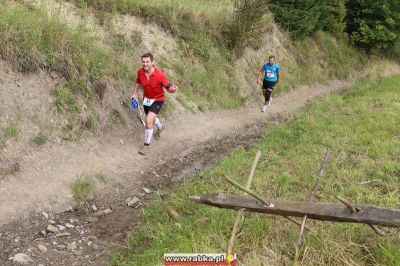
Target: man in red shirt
(153,81)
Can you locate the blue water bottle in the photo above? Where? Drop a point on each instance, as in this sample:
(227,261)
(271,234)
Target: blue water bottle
(133,104)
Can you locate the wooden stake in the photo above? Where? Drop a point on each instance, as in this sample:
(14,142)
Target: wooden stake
(348,204)
(248,191)
(311,196)
(239,214)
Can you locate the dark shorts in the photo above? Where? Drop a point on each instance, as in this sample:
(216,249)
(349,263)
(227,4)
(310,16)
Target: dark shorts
(268,84)
(154,108)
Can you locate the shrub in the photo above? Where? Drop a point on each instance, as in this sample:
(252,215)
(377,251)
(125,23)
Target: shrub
(373,25)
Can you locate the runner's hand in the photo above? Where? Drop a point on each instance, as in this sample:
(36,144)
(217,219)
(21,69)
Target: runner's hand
(173,89)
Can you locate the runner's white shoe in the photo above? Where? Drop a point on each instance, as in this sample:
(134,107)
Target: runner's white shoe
(144,150)
(264,109)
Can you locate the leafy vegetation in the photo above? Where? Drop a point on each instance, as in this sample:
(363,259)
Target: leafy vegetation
(250,18)
(374,25)
(359,125)
(302,18)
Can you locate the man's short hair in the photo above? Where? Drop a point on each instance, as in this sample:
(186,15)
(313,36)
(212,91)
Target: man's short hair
(146,55)
(271,56)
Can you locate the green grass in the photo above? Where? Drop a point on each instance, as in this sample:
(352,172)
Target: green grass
(204,70)
(101,177)
(64,100)
(71,137)
(82,189)
(39,139)
(174,15)
(325,58)
(360,125)
(31,40)
(388,253)
(12,131)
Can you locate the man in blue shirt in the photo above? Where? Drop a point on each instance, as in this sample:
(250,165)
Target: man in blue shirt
(271,78)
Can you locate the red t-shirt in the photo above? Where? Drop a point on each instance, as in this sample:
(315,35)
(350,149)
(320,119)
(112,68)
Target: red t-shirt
(153,87)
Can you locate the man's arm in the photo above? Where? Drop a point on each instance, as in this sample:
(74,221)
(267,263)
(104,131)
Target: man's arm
(135,90)
(171,88)
(278,73)
(260,73)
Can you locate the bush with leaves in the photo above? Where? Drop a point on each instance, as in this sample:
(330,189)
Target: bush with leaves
(335,22)
(304,17)
(374,25)
(248,22)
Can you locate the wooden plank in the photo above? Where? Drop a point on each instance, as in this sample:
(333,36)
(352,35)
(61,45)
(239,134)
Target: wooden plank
(313,210)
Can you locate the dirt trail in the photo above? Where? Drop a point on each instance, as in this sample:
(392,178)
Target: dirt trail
(87,236)
(45,178)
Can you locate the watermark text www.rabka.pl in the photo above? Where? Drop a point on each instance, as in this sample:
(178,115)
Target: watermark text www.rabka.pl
(200,259)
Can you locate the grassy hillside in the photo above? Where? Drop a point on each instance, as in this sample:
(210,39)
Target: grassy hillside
(203,64)
(206,68)
(360,125)
(95,47)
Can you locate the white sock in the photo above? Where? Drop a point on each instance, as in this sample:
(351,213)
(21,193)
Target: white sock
(157,123)
(148,133)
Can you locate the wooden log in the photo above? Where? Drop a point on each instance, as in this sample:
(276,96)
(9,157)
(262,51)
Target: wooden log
(313,210)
